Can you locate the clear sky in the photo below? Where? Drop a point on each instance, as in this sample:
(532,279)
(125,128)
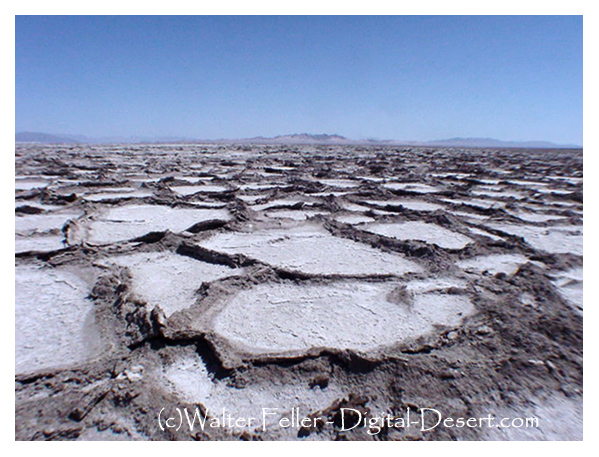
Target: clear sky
(383,77)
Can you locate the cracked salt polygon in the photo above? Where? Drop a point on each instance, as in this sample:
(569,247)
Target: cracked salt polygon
(570,179)
(310,249)
(132,221)
(569,283)
(42,206)
(169,280)
(297,215)
(414,205)
(485,204)
(115,190)
(536,217)
(328,193)
(558,418)
(40,223)
(480,232)
(281,169)
(256,186)
(452,175)
(353,219)
(190,190)
(477,202)
(274,318)
(117,195)
(528,184)
(553,191)
(143,180)
(279,202)
(412,187)
(29,184)
(208,204)
(370,178)
(434,284)
(557,240)
(354,207)
(342,183)
(500,263)
(469,215)
(421,231)
(251,198)
(191,381)
(497,193)
(489,181)
(43,243)
(54,321)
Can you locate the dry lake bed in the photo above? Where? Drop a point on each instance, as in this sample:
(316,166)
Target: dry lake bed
(282,283)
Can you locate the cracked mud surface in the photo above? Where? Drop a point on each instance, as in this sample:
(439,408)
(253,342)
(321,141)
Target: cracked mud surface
(318,278)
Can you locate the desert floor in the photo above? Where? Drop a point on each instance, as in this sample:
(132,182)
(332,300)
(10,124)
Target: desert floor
(306,279)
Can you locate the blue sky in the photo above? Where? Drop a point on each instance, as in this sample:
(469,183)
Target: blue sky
(384,77)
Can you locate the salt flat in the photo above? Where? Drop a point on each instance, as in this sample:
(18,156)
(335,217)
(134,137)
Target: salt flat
(318,277)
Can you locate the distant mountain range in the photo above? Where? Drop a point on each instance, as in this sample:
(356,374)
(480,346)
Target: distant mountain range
(493,143)
(296,138)
(299,138)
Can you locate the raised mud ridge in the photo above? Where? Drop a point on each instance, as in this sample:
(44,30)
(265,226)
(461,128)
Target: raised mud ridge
(310,277)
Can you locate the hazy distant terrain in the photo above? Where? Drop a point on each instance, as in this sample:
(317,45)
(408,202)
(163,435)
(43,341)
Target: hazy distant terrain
(302,138)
